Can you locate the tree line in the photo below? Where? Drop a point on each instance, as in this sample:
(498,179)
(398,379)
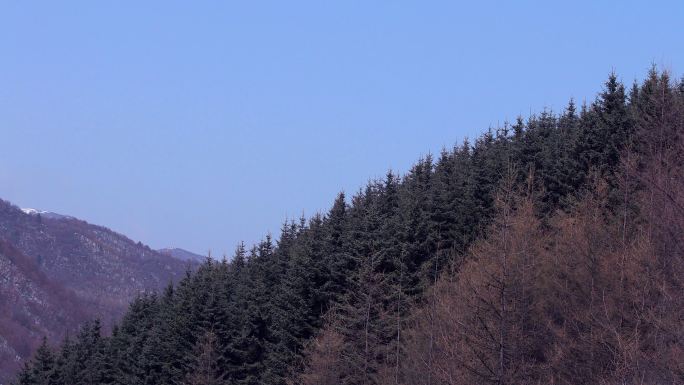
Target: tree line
(546,251)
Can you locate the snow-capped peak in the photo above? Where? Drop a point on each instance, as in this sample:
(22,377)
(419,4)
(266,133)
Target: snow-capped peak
(30,211)
(45,214)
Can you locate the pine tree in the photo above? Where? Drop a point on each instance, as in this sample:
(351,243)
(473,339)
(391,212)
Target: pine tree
(43,371)
(335,258)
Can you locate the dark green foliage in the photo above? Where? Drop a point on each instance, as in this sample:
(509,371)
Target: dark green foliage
(44,368)
(361,266)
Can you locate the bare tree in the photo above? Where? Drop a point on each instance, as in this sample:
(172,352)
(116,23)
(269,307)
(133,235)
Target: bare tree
(204,370)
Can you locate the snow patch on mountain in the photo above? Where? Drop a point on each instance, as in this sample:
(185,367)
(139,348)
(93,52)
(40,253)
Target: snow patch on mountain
(30,211)
(45,214)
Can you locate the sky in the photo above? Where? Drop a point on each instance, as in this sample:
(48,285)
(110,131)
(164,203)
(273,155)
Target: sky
(200,124)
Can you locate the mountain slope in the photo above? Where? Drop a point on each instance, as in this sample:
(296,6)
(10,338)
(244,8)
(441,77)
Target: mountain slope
(182,254)
(58,271)
(31,305)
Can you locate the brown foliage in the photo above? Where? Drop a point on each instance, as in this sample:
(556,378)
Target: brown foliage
(325,367)
(480,326)
(594,295)
(204,370)
(584,299)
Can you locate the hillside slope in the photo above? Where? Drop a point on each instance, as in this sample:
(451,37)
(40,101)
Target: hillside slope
(58,271)
(182,254)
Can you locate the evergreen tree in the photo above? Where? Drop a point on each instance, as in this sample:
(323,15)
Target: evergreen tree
(44,365)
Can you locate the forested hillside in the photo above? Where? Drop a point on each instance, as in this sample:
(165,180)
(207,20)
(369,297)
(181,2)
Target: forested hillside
(57,272)
(546,251)
(31,305)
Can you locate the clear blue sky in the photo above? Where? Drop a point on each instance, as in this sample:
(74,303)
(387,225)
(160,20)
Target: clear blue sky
(199,124)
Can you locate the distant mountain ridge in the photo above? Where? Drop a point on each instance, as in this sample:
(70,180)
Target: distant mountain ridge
(182,254)
(57,271)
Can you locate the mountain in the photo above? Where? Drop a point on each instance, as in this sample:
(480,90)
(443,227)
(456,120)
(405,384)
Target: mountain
(58,271)
(182,254)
